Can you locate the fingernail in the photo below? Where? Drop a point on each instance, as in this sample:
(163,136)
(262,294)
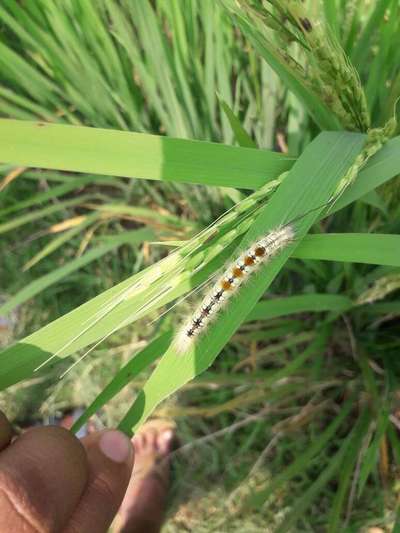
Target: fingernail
(165,440)
(116,446)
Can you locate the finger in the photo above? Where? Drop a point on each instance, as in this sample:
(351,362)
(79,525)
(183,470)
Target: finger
(110,457)
(43,474)
(5,431)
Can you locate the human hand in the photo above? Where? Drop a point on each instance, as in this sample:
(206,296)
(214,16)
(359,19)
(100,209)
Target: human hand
(52,482)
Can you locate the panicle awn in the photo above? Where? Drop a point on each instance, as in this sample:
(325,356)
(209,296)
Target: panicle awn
(172,265)
(230,282)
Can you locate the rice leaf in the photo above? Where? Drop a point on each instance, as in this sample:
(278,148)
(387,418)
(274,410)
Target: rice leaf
(139,362)
(314,303)
(241,135)
(127,154)
(370,458)
(303,190)
(373,249)
(136,155)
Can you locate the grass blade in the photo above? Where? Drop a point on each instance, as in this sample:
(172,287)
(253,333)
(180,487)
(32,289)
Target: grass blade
(304,460)
(335,463)
(42,283)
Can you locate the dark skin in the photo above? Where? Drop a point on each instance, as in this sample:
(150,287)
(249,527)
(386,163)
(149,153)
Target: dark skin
(50,481)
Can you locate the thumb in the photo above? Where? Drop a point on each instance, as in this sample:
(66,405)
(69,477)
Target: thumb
(110,457)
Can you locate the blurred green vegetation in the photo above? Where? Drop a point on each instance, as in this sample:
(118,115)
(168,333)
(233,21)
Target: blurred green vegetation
(295,426)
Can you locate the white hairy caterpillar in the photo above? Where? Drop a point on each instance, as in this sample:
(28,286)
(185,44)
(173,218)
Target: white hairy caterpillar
(259,253)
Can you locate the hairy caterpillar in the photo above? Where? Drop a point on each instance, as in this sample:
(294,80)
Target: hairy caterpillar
(259,253)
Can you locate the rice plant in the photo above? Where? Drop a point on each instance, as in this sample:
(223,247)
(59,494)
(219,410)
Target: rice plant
(318,389)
